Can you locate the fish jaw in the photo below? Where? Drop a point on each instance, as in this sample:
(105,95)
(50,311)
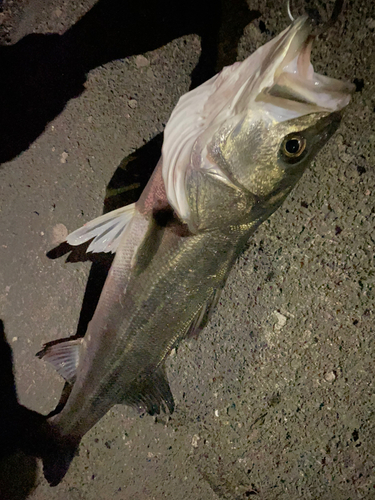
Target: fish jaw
(276,83)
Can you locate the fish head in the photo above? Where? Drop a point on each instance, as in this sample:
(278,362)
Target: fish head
(265,157)
(253,128)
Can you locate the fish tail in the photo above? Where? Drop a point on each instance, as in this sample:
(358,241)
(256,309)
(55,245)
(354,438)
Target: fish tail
(36,436)
(58,456)
(42,439)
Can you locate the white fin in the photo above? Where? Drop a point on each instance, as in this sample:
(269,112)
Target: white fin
(64,357)
(106,230)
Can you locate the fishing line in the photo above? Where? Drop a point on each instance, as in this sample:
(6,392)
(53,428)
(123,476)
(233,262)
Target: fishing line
(289,11)
(337,9)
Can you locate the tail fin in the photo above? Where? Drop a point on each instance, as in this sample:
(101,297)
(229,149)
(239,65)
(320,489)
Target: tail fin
(27,430)
(33,434)
(45,441)
(58,457)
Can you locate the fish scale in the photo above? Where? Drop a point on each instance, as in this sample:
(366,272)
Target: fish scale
(233,150)
(159,316)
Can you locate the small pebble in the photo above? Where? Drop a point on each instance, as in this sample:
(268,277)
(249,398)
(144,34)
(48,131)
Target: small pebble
(132,103)
(281,320)
(141,61)
(194,441)
(59,234)
(330,376)
(64,156)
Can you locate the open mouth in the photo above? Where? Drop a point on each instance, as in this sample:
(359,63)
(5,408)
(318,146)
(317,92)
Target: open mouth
(294,78)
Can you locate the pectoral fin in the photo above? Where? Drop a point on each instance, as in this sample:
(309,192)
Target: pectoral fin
(64,357)
(106,230)
(152,393)
(204,314)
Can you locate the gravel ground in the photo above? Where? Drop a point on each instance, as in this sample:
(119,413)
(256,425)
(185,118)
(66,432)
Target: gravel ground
(276,399)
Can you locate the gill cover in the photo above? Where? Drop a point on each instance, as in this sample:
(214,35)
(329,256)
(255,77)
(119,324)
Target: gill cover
(276,83)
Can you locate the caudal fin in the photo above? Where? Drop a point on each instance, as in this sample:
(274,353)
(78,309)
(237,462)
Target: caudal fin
(27,430)
(57,459)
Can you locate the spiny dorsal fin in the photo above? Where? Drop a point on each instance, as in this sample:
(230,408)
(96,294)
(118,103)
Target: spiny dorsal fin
(106,230)
(63,356)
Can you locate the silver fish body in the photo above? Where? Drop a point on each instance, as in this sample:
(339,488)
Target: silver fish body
(233,150)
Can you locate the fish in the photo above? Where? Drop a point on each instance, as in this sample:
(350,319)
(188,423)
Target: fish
(233,150)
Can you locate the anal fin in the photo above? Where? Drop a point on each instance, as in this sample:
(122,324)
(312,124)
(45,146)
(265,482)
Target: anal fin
(152,393)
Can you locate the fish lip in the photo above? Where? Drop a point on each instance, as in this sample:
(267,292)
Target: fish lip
(323,129)
(329,122)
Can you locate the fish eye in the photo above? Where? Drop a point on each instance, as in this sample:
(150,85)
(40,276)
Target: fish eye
(293,146)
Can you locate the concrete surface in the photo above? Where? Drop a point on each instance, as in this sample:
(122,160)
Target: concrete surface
(276,399)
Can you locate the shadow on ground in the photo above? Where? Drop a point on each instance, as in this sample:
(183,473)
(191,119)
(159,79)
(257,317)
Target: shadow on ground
(41,73)
(18,425)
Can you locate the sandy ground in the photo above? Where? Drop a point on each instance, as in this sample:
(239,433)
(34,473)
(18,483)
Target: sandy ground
(276,399)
